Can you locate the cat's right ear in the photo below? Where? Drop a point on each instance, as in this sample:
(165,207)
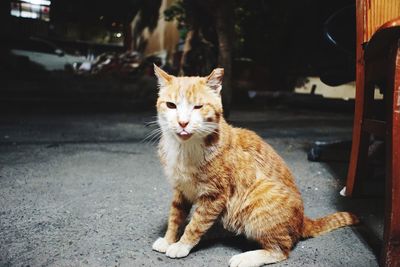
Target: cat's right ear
(163,77)
(214,80)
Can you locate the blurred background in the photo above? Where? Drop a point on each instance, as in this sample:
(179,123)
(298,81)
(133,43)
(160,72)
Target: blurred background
(101,52)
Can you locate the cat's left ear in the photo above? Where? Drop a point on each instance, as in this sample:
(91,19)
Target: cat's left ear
(214,80)
(163,77)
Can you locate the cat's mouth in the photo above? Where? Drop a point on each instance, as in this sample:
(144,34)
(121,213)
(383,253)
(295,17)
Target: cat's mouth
(184,135)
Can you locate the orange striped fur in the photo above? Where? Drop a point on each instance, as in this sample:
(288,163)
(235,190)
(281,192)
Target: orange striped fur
(227,173)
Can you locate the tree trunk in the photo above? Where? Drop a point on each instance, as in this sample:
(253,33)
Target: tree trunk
(127,35)
(225,28)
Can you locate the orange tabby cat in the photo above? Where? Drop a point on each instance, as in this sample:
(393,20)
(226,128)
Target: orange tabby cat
(227,173)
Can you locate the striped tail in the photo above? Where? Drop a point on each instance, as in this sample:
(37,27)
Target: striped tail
(328,223)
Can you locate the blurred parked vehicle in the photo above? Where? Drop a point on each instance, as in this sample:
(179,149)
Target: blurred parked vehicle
(45,53)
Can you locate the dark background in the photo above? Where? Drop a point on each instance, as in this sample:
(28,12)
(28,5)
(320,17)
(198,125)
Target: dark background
(274,46)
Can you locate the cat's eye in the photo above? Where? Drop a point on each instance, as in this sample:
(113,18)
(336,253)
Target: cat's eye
(171,105)
(198,106)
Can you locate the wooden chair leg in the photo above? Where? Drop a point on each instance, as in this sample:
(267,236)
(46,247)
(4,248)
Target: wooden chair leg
(391,242)
(358,163)
(355,145)
(361,139)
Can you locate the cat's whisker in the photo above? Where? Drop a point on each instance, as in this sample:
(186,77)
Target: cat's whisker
(210,126)
(151,123)
(208,130)
(210,123)
(148,140)
(152,134)
(154,140)
(155,130)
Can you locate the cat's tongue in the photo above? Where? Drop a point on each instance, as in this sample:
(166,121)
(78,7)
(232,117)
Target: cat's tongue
(184,135)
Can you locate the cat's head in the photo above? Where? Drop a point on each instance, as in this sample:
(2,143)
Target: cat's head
(189,108)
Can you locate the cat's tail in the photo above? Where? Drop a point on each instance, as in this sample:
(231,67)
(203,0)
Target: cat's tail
(312,228)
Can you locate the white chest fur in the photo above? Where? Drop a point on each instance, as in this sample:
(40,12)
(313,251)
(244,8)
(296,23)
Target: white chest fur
(182,161)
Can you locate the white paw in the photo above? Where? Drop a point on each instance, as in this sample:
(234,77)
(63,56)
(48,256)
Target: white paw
(255,258)
(161,245)
(240,260)
(178,250)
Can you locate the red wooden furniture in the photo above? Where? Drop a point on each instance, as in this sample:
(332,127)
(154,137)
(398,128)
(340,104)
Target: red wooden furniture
(378,64)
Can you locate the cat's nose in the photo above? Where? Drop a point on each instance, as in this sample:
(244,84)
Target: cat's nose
(183,124)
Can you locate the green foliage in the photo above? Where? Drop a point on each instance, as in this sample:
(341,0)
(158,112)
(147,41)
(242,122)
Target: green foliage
(241,14)
(176,12)
(179,11)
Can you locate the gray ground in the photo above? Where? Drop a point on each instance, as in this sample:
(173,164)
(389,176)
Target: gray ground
(83,190)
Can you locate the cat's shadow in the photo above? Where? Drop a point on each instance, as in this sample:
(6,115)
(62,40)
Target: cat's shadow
(217,235)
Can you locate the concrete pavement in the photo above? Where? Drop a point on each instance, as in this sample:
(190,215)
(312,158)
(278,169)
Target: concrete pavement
(85,190)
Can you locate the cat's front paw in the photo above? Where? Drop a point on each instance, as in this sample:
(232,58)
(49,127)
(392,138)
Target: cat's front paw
(161,245)
(178,250)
